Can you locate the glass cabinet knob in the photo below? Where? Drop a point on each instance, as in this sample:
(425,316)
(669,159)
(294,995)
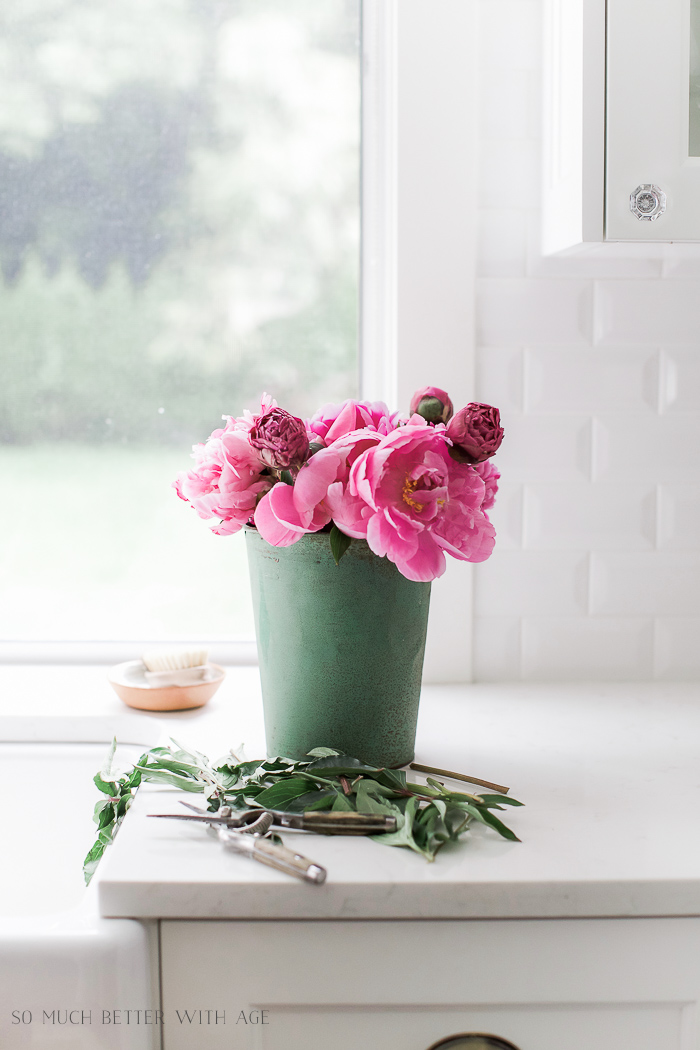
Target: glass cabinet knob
(648,202)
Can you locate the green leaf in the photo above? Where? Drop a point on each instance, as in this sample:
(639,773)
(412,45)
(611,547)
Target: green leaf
(486,817)
(124,803)
(500,800)
(430,830)
(339,543)
(403,836)
(371,798)
(106,816)
(160,776)
(311,800)
(322,752)
(100,806)
(277,796)
(274,765)
(425,789)
(342,804)
(393,778)
(107,787)
(174,766)
(190,756)
(456,819)
(92,860)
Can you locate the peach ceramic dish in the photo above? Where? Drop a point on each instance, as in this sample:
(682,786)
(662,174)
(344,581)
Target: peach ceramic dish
(129,683)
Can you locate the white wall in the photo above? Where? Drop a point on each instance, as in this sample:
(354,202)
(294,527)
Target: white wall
(595,364)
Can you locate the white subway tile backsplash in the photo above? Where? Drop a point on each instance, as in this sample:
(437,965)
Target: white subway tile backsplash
(534,313)
(589,517)
(593,358)
(546,448)
(659,583)
(531,583)
(631,448)
(499,379)
(677,648)
(681,260)
(679,517)
(502,243)
(497,648)
(680,370)
(647,312)
(507,515)
(584,380)
(598,648)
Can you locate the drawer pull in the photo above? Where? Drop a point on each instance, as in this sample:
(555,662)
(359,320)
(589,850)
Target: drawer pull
(473,1041)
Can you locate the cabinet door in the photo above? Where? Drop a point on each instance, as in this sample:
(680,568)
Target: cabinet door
(610,984)
(653,118)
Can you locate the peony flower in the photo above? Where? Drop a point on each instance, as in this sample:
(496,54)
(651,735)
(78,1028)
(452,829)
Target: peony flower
(475,432)
(318,495)
(489,474)
(333,421)
(420,502)
(433,404)
(228,478)
(280,438)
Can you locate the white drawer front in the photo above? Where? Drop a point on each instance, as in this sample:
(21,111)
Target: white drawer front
(609,984)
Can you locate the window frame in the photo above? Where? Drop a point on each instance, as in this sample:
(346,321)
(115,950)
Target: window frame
(418,262)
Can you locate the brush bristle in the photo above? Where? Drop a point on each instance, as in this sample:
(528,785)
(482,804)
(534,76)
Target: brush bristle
(174,659)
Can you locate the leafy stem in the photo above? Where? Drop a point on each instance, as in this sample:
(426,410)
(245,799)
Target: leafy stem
(427,815)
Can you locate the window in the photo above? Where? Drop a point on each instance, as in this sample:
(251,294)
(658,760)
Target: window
(179,231)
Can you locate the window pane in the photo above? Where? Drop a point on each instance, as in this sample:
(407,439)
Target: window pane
(694,140)
(179,226)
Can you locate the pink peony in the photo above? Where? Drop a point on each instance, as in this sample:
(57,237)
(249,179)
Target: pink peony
(476,433)
(489,474)
(280,438)
(227,480)
(433,404)
(333,421)
(318,495)
(421,502)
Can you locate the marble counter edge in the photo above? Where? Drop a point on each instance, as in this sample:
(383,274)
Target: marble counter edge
(143,900)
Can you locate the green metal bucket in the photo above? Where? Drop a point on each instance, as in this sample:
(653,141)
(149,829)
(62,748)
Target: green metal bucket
(340,647)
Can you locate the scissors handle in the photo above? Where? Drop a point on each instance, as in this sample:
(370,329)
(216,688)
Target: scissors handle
(350,823)
(274,856)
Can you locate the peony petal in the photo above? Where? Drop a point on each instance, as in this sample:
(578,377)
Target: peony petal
(269,525)
(314,478)
(428,563)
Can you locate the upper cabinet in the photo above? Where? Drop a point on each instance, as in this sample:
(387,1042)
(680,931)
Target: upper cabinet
(621,122)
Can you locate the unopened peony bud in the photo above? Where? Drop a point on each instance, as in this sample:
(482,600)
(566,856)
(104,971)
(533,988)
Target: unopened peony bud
(433,404)
(475,433)
(281,439)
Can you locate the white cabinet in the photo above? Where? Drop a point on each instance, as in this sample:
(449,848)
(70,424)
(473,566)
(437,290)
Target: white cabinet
(653,132)
(582,984)
(621,121)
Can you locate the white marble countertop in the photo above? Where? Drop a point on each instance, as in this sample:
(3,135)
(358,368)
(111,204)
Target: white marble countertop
(609,775)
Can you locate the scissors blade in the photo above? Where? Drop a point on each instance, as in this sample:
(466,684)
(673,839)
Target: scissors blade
(256,847)
(322,822)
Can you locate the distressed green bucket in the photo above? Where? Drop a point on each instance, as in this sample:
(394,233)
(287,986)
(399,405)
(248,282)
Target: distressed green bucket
(340,648)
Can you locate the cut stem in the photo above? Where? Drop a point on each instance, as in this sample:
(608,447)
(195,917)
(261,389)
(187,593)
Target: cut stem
(459,776)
